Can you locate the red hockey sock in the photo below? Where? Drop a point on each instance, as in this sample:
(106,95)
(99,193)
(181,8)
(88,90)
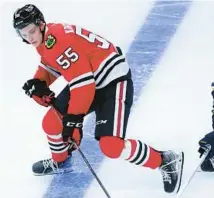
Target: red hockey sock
(131,150)
(59,150)
(141,154)
(53,127)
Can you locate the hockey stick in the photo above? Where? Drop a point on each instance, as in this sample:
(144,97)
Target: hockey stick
(206,152)
(83,157)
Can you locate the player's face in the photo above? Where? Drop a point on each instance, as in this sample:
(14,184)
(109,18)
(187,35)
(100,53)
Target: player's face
(32,33)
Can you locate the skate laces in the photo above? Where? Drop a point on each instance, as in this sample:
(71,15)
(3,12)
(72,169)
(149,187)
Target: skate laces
(50,163)
(166,175)
(166,172)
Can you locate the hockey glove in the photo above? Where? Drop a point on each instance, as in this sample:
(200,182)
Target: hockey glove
(39,91)
(205,142)
(72,129)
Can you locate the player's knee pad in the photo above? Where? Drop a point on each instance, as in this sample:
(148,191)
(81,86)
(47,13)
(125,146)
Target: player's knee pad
(51,123)
(111,146)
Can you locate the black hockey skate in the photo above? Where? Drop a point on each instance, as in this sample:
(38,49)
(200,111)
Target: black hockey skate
(171,170)
(50,167)
(208,165)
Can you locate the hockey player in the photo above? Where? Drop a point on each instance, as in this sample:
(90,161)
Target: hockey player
(99,80)
(208,139)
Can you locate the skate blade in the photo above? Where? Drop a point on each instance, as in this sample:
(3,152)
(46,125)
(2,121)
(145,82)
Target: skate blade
(58,172)
(180,173)
(201,171)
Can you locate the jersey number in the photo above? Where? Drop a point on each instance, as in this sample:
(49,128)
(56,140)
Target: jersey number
(66,58)
(92,38)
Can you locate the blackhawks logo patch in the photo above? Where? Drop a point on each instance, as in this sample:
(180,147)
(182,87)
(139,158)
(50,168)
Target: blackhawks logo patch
(50,41)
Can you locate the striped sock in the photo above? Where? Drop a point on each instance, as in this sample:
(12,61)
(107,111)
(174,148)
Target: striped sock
(141,154)
(59,151)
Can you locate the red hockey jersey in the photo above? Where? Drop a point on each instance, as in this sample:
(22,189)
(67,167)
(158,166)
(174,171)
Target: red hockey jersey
(86,60)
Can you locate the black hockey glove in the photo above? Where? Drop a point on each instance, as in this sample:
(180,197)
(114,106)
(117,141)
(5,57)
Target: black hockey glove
(39,91)
(205,142)
(36,87)
(72,128)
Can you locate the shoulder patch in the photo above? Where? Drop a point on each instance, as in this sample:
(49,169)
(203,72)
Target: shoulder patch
(50,41)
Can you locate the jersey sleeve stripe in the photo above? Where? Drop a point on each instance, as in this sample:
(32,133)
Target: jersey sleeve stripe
(81,84)
(103,63)
(107,61)
(82,80)
(107,71)
(51,70)
(107,67)
(80,77)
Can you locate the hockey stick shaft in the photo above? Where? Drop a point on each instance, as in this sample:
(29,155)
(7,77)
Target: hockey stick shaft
(181,192)
(84,158)
(92,170)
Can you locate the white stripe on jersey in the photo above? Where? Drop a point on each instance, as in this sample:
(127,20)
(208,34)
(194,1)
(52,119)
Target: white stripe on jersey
(121,69)
(49,70)
(81,84)
(103,63)
(81,77)
(82,80)
(106,68)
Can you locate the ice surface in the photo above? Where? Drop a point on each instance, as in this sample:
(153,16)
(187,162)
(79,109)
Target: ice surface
(169,45)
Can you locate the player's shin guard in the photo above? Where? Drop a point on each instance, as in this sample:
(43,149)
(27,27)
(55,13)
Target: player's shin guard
(131,150)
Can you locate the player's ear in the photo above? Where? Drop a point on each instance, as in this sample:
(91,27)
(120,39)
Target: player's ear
(42,26)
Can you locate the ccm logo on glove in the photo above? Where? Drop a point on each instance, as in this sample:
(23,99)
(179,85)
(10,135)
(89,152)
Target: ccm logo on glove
(75,125)
(71,124)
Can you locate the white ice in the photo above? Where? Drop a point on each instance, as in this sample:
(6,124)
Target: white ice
(174,111)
